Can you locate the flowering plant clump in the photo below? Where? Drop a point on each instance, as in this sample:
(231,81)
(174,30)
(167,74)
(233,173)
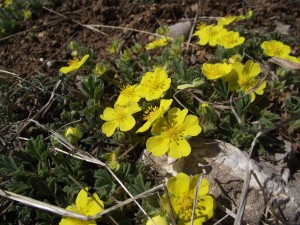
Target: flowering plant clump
(243,77)
(182,191)
(226,20)
(275,48)
(74,64)
(231,39)
(171,134)
(210,34)
(161,42)
(217,70)
(119,117)
(153,84)
(84,205)
(152,114)
(128,94)
(132,100)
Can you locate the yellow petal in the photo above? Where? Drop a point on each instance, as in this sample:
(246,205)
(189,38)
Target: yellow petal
(176,116)
(144,128)
(178,185)
(109,128)
(127,124)
(82,199)
(94,206)
(158,145)
(132,107)
(158,125)
(204,186)
(190,126)
(251,69)
(108,114)
(66,69)
(158,220)
(179,149)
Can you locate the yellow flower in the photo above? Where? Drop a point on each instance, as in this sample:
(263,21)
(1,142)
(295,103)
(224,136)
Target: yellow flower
(182,190)
(153,84)
(73,134)
(128,94)
(209,34)
(112,161)
(8,2)
(152,114)
(119,117)
(85,205)
(161,42)
(246,81)
(223,21)
(231,39)
(233,59)
(275,48)
(100,69)
(27,14)
(74,64)
(171,134)
(158,220)
(215,71)
(292,59)
(249,14)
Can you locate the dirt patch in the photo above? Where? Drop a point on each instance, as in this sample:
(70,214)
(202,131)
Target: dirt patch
(48,35)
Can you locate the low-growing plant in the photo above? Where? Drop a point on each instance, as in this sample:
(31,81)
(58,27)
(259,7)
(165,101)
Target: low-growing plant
(146,97)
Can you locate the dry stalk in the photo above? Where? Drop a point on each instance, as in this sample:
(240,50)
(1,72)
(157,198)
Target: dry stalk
(196,198)
(123,28)
(193,26)
(45,107)
(245,188)
(82,155)
(75,21)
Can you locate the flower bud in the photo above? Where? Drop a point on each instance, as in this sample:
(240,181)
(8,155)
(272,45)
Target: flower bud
(73,134)
(159,220)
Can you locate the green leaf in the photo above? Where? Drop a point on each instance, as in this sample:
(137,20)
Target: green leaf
(104,182)
(93,86)
(37,148)
(139,185)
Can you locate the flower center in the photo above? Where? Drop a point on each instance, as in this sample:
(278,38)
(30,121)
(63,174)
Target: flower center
(73,62)
(185,204)
(217,71)
(128,91)
(172,133)
(212,33)
(151,113)
(154,85)
(121,115)
(278,51)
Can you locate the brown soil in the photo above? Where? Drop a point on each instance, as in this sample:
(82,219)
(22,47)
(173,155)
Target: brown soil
(47,36)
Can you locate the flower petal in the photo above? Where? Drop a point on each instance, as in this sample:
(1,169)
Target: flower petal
(108,114)
(251,69)
(158,145)
(190,126)
(158,126)
(94,206)
(82,199)
(176,116)
(109,128)
(179,149)
(66,69)
(178,185)
(127,124)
